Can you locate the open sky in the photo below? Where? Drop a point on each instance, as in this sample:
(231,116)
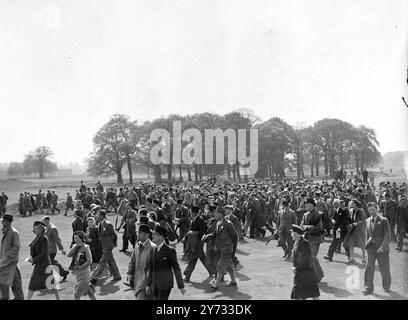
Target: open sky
(67,66)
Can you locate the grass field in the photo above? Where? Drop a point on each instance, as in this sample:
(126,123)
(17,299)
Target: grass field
(264,276)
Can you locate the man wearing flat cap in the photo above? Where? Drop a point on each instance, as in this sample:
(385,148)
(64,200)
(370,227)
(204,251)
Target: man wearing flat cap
(10,275)
(312,224)
(140,268)
(164,266)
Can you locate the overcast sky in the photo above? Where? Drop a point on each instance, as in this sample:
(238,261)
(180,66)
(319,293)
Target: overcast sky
(67,66)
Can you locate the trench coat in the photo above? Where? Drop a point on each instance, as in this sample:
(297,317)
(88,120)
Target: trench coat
(10,247)
(305,279)
(356,236)
(41,261)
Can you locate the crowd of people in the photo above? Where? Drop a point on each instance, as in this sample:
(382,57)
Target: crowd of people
(209,220)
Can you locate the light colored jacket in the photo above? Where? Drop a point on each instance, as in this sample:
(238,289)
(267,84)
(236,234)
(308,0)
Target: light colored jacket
(141,265)
(10,247)
(54,240)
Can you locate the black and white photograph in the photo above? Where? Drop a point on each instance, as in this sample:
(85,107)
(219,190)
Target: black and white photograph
(203,150)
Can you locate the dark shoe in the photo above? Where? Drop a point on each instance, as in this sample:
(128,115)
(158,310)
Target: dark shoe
(123,250)
(117,279)
(232,284)
(284,256)
(367,292)
(398,249)
(328,258)
(64,277)
(387,290)
(186,279)
(93,282)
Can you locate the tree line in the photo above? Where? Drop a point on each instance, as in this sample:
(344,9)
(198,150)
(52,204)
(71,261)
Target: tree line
(322,149)
(36,161)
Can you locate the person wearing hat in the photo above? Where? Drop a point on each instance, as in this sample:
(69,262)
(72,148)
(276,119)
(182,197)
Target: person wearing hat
(194,245)
(182,220)
(164,267)
(10,276)
(356,231)
(108,240)
(402,220)
(389,209)
(40,258)
(233,218)
(55,244)
(285,219)
(321,206)
(92,239)
(80,266)
(129,227)
(77,224)
(69,204)
(226,240)
(211,250)
(140,268)
(312,224)
(378,248)
(3,203)
(305,281)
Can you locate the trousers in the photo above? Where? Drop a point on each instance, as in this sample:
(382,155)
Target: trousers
(16,287)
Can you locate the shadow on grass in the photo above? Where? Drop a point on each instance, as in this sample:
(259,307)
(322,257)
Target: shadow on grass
(241,277)
(109,288)
(223,291)
(337,292)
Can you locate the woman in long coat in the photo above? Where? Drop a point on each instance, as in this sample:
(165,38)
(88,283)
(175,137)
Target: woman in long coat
(305,284)
(40,258)
(356,230)
(92,239)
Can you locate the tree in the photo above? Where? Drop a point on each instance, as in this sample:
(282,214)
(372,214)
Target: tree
(108,156)
(37,161)
(275,144)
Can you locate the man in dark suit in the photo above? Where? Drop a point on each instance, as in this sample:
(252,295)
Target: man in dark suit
(339,229)
(77,224)
(198,229)
(402,219)
(378,238)
(108,240)
(226,240)
(164,266)
(389,208)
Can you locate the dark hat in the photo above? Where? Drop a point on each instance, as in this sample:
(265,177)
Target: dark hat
(144,228)
(38,222)
(143,211)
(285,203)
(195,209)
(161,230)
(8,217)
(212,207)
(144,220)
(298,229)
(311,201)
